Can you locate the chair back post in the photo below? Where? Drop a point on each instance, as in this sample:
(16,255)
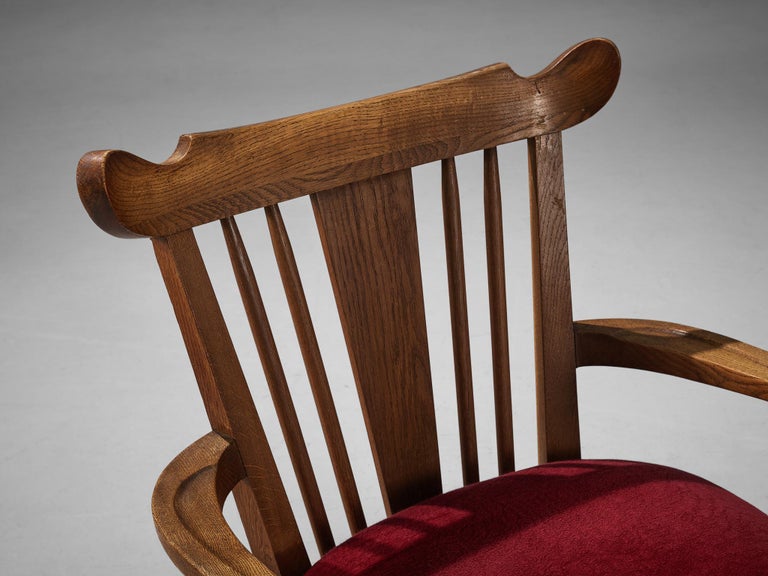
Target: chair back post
(556,399)
(229,403)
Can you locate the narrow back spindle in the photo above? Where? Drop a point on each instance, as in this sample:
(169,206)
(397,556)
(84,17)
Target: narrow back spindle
(316,373)
(457,294)
(497,296)
(278,385)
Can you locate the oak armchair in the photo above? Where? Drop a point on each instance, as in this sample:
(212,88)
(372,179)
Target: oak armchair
(566,516)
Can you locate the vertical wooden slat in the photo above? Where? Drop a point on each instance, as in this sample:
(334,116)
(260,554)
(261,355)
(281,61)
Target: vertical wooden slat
(228,401)
(368,232)
(316,373)
(278,386)
(253,524)
(457,293)
(557,408)
(497,294)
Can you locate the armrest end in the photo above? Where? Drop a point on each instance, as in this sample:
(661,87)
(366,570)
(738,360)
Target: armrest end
(186,506)
(673,349)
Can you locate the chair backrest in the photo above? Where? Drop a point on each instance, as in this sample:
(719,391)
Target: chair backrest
(355,161)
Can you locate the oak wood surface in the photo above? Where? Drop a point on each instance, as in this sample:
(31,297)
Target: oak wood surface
(457,294)
(278,385)
(213,175)
(497,299)
(186,507)
(226,396)
(354,162)
(673,349)
(316,373)
(556,401)
(368,233)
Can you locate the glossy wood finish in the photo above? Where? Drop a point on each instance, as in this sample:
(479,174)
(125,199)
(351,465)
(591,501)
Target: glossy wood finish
(278,386)
(313,361)
(213,175)
(556,402)
(225,393)
(457,294)
(368,232)
(497,298)
(674,349)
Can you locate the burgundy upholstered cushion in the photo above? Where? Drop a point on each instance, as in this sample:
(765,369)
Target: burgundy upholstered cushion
(568,518)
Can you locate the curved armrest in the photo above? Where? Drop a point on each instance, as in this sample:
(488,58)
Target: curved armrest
(673,349)
(186,506)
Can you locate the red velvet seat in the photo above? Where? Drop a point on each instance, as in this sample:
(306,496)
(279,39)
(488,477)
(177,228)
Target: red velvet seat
(574,518)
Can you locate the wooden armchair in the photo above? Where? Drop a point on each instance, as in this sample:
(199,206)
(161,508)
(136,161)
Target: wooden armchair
(566,516)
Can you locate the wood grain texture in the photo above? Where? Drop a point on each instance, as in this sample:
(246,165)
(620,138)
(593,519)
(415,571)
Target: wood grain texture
(278,385)
(354,161)
(497,301)
(368,232)
(673,349)
(253,524)
(213,175)
(318,379)
(556,400)
(186,507)
(226,396)
(457,294)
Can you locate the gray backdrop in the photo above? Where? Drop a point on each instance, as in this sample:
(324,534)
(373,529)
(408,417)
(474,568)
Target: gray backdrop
(667,210)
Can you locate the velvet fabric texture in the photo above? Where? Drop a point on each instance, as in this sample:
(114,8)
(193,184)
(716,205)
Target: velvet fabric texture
(574,518)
